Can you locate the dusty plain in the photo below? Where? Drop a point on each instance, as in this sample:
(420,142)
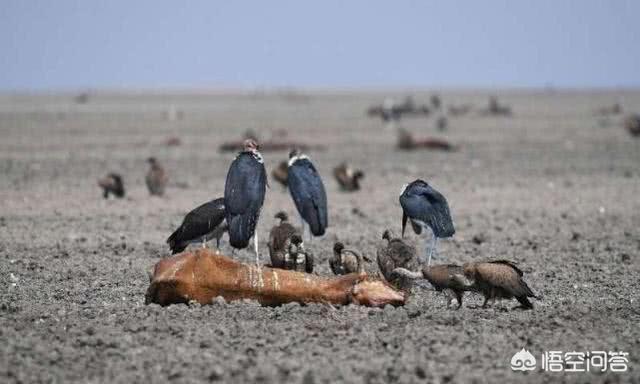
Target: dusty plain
(555,188)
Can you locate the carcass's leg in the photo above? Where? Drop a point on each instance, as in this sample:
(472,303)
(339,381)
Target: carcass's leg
(486,299)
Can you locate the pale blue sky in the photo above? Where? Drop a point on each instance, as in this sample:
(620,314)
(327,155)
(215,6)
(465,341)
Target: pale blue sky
(64,44)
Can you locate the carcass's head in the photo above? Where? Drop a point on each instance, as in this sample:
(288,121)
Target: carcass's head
(376,293)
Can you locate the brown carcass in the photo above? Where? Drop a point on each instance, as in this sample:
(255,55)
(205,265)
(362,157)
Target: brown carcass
(407,142)
(204,275)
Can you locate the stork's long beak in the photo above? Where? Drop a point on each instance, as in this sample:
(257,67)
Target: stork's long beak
(404,222)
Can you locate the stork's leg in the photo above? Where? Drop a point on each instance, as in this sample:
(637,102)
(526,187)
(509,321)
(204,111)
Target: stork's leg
(204,242)
(255,244)
(303,227)
(428,244)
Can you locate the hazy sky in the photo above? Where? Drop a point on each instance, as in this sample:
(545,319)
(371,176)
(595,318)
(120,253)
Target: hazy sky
(155,44)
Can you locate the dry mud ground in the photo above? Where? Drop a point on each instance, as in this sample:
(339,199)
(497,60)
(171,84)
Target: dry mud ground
(554,188)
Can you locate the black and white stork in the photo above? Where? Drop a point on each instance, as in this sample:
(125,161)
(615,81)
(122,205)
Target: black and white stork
(308,193)
(426,208)
(202,224)
(244,193)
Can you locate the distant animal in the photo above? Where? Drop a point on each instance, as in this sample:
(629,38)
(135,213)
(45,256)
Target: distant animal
(435,101)
(348,178)
(426,208)
(280,241)
(244,192)
(308,193)
(156,178)
(202,224)
(441,277)
(396,253)
(390,111)
(614,109)
(82,98)
(499,279)
(112,183)
(301,259)
(496,109)
(280,173)
(407,142)
(632,124)
(442,123)
(345,261)
(173,141)
(459,110)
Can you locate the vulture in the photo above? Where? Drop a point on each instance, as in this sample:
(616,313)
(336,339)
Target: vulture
(308,193)
(301,258)
(112,183)
(632,124)
(426,208)
(280,241)
(156,178)
(496,109)
(202,224)
(280,173)
(345,261)
(441,277)
(436,103)
(348,178)
(244,192)
(396,253)
(498,279)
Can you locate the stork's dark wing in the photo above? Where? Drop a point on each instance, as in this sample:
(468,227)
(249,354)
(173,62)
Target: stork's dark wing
(309,196)
(422,203)
(197,223)
(243,196)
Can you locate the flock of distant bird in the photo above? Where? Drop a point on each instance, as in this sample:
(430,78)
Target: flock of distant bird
(238,211)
